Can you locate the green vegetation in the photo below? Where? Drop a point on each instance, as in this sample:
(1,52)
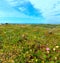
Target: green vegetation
(29,43)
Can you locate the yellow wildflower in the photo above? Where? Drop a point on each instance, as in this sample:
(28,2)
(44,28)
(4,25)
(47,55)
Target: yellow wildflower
(42,61)
(54,49)
(57,46)
(30,50)
(36,60)
(55,58)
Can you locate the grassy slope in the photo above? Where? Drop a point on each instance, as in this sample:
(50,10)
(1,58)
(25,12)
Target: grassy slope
(28,43)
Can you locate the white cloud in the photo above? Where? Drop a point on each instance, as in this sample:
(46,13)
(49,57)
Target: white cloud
(46,6)
(50,9)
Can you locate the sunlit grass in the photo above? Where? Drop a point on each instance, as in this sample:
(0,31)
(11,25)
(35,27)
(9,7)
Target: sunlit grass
(29,43)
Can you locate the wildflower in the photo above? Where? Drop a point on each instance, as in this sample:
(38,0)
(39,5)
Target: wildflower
(32,60)
(48,52)
(54,49)
(30,50)
(57,46)
(36,60)
(55,58)
(42,61)
(47,49)
(23,35)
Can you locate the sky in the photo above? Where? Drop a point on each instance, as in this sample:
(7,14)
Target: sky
(30,11)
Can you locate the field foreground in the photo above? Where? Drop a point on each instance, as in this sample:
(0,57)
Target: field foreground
(29,43)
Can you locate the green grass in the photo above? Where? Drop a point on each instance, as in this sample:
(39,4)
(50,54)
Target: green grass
(29,43)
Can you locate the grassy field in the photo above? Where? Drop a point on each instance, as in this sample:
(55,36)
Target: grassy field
(29,43)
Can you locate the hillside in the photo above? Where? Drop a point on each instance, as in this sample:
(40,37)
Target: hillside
(29,43)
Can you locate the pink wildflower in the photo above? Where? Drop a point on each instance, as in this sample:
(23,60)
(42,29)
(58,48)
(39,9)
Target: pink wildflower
(47,49)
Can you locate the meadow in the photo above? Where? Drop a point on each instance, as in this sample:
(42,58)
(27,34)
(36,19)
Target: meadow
(30,43)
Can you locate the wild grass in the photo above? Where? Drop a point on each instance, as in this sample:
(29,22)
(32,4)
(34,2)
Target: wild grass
(29,43)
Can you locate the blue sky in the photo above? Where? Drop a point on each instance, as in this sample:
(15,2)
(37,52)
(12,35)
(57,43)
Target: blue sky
(30,11)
